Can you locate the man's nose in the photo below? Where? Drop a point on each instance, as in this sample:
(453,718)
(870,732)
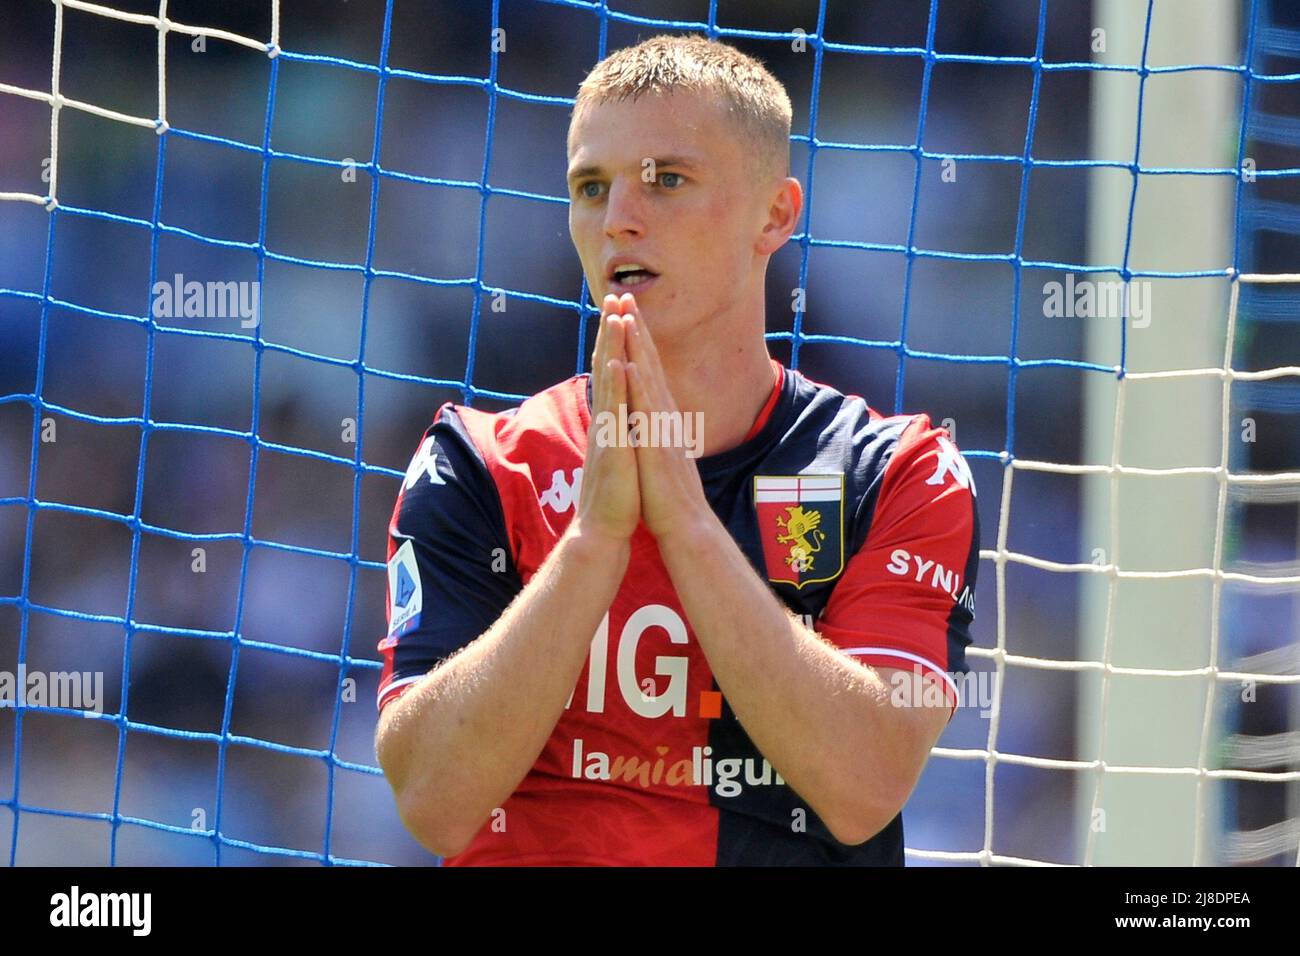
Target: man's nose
(625,208)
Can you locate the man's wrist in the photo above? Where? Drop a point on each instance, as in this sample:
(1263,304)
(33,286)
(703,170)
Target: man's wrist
(696,531)
(596,545)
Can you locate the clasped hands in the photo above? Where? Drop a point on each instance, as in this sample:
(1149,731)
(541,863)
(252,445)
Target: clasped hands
(624,483)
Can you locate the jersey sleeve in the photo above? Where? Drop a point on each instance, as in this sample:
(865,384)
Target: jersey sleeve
(907,597)
(451,572)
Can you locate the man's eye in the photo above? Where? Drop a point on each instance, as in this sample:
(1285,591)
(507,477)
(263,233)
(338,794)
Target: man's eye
(671,180)
(589,190)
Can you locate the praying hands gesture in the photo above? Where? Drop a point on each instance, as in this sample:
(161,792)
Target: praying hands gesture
(659,483)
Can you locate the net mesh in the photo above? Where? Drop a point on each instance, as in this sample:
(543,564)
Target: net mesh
(1234,479)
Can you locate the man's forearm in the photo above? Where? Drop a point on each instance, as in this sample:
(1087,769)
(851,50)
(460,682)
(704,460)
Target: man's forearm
(458,743)
(824,721)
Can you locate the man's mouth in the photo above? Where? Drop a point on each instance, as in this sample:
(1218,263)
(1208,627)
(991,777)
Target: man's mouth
(630,276)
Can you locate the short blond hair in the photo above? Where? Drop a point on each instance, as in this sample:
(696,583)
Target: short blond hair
(666,63)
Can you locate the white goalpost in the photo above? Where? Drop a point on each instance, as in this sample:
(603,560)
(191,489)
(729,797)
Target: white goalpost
(1157,676)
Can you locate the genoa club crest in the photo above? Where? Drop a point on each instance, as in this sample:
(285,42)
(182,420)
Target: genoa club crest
(800,521)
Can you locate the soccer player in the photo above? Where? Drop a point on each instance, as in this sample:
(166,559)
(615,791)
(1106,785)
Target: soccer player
(692,608)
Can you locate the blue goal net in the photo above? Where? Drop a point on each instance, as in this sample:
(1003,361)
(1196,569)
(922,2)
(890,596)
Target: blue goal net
(246,254)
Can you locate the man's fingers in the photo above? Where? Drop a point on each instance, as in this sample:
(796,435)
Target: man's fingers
(608,306)
(613,353)
(635,386)
(615,338)
(604,350)
(620,383)
(617,382)
(651,392)
(639,347)
(641,389)
(628,304)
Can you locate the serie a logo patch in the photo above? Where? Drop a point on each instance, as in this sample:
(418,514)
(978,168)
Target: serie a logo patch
(405,595)
(801,524)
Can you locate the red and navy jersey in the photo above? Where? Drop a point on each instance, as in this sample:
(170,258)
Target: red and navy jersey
(863,524)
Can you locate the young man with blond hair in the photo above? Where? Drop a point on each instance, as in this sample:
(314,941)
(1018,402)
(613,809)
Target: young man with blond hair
(735,646)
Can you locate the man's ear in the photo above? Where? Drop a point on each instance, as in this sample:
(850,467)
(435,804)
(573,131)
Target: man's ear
(783,208)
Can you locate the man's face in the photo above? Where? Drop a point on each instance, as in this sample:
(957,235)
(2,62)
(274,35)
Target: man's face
(693,227)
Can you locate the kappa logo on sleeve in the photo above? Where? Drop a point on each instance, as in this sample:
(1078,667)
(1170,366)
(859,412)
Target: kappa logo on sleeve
(562,495)
(424,463)
(405,597)
(950,462)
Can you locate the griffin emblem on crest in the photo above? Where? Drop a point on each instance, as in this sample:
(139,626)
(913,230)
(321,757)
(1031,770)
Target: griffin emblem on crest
(802,536)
